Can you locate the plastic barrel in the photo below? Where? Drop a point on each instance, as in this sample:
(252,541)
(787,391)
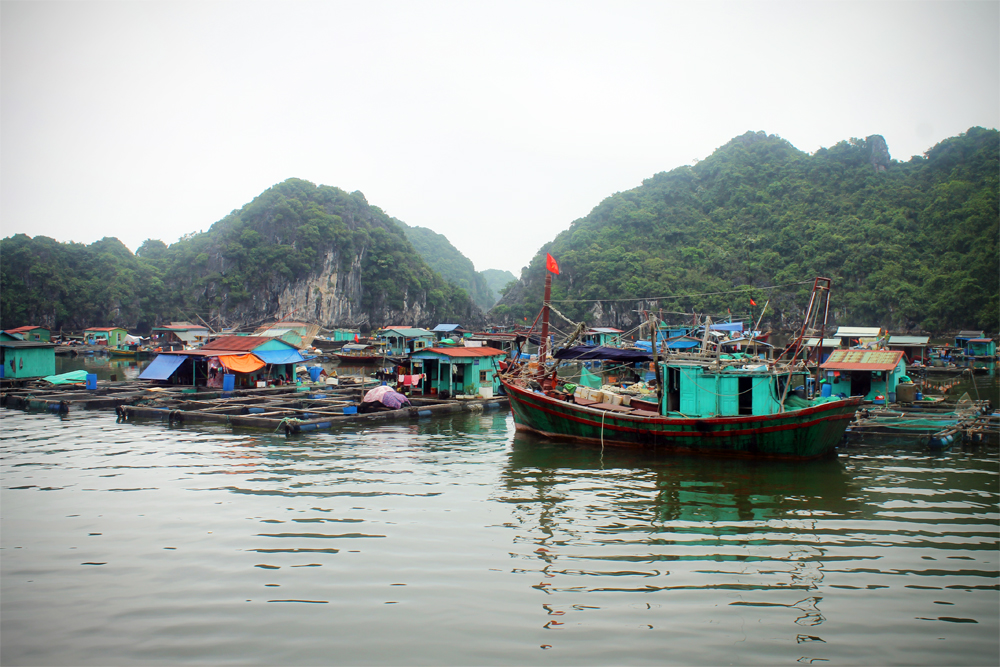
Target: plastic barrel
(91,381)
(314,372)
(826,390)
(228,382)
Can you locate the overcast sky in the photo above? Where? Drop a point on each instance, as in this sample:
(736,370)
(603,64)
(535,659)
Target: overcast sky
(494,123)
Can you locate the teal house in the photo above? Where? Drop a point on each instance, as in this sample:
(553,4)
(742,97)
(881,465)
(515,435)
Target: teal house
(975,344)
(459,371)
(404,341)
(867,373)
(27,359)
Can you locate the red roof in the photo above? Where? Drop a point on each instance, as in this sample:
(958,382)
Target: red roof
(104,328)
(862,360)
(464,351)
(23,329)
(235,343)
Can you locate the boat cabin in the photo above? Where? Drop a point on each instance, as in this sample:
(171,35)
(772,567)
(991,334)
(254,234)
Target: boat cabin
(707,390)
(867,373)
(458,371)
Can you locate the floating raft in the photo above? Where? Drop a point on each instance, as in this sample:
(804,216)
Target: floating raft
(296,412)
(290,408)
(939,427)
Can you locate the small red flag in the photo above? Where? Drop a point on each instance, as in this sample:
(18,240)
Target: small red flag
(550,264)
(752,302)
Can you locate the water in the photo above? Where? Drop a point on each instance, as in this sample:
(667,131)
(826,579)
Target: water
(457,541)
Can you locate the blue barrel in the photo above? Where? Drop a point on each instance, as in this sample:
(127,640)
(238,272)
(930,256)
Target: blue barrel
(920,396)
(228,382)
(826,390)
(314,372)
(91,381)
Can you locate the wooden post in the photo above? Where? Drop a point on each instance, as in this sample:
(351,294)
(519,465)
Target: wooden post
(543,346)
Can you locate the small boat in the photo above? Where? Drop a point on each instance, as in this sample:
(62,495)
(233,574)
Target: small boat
(706,403)
(364,353)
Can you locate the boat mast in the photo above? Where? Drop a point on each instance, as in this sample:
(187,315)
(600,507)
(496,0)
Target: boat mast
(542,347)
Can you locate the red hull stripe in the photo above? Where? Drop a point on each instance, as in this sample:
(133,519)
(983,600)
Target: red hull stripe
(612,421)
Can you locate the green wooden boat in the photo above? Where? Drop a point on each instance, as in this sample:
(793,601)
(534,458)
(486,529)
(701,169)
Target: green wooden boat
(807,432)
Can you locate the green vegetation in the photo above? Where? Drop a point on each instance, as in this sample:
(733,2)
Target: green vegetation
(237,270)
(456,268)
(908,245)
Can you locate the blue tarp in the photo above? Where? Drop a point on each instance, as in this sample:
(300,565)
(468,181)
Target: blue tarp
(728,326)
(682,344)
(162,367)
(280,356)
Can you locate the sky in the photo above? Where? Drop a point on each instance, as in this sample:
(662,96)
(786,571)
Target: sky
(494,123)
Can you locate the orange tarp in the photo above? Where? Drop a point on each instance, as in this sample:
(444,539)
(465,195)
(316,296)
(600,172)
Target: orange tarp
(242,363)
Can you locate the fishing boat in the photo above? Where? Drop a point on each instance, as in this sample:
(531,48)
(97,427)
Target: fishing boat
(705,403)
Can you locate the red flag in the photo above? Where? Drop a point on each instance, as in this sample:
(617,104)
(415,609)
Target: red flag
(550,264)
(752,302)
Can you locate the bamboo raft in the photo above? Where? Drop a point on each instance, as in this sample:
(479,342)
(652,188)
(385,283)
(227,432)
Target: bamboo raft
(291,409)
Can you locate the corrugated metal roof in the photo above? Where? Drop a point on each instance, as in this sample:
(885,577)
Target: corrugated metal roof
(24,329)
(447,327)
(104,329)
(909,340)
(980,340)
(235,343)
(827,342)
(862,360)
(410,333)
(970,334)
(26,343)
(462,351)
(858,332)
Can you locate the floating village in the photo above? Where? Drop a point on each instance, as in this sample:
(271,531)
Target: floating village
(721,388)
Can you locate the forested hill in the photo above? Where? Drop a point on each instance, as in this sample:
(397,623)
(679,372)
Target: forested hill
(446,259)
(909,245)
(298,250)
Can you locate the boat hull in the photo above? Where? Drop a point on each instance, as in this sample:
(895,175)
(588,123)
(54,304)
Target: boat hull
(799,434)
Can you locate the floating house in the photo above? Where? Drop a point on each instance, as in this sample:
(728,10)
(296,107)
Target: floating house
(403,341)
(251,361)
(857,336)
(27,359)
(299,334)
(913,347)
(459,371)
(183,334)
(453,331)
(501,340)
(110,336)
(975,344)
(601,336)
(827,346)
(31,332)
(867,373)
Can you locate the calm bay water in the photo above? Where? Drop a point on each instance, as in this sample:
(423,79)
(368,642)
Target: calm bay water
(457,541)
